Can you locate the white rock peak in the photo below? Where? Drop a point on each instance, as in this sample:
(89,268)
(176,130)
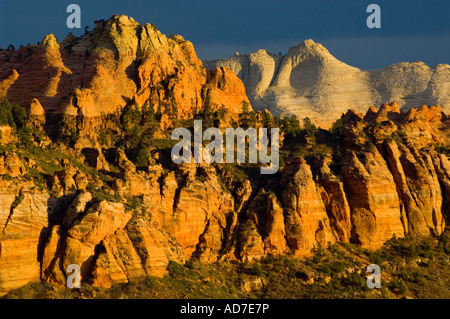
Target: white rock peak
(310,82)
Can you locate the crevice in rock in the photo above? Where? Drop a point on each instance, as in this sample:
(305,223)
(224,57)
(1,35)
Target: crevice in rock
(444,185)
(181,184)
(382,148)
(445,208)
(242,218)
(44,236)
(197,252)
(60,247)
(92,261)
(133,234)
(17,200)
(353,237)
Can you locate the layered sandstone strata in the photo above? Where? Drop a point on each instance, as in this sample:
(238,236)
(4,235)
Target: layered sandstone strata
(391,183)
(119,63)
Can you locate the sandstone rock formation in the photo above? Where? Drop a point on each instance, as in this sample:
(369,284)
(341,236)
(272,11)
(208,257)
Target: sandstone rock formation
(307,223)
(130,225)
(118,64)
(393,187)
(91,204)
(309,82)
(24,213)
(335,200)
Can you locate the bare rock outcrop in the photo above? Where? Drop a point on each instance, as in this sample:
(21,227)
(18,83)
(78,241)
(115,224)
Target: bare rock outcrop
(77,245)
(335,200)
(373,199)
(23,216)
(307,224)
(393,186)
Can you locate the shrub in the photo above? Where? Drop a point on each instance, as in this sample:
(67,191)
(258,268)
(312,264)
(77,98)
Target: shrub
(337,129)
(131,117)
(150,282)
(257,269)
(368,146)
(398,285)
(355,279)
(442,148)
(12,115)
(102,138)
(384,291)
(142,158)
(177,270)
(412,250)
(269,259)
(74,135)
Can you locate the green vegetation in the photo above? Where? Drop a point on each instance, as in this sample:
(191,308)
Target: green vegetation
(443,149)
(103,138)
(210,117)
(19,198)
(103,193)
(247,118)
(311,142)
(16,117)
(142,158)
(12,115)
(289,125)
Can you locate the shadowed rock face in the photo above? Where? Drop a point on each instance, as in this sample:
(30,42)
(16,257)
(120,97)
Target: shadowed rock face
(309,82)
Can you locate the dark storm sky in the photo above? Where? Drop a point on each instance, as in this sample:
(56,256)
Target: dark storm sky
(411,29)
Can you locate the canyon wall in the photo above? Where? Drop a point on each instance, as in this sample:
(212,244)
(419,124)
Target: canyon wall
(391,182)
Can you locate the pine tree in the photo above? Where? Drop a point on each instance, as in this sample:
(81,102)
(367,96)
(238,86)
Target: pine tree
(244,116)
(286,125)
(207,113)
(309,127)
(294,125)
(267,120)
(142,158)
(310,130)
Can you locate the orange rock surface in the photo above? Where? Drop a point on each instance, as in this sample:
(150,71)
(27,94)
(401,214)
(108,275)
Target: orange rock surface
(120,222)
(117,64)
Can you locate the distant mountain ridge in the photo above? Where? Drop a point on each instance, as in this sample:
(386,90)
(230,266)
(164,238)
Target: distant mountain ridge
(309,81)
